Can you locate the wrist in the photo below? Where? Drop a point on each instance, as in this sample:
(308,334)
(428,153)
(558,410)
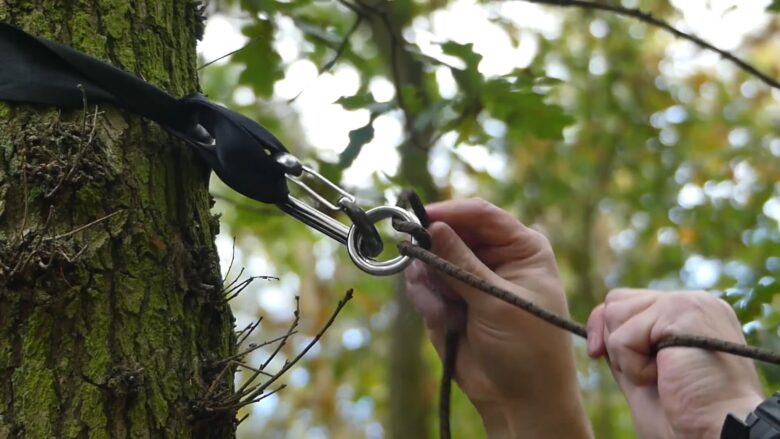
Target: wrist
(712,424)
(740,408)
(743,406)
(499,420)
(515,419)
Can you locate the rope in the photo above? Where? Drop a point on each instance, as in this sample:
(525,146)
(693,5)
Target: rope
(682,340)
(410,199)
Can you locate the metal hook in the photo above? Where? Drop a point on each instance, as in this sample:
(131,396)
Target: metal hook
(353,236)
(310,216)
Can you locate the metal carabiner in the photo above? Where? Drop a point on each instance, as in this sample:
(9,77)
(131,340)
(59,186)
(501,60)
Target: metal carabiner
(350,236)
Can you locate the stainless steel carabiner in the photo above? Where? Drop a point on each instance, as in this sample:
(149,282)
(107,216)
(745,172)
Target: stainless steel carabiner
(340,232)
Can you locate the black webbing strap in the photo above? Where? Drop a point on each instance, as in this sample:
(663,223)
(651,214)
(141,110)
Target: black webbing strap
(242,153)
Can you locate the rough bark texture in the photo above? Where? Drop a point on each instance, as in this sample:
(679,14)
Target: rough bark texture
(111,311)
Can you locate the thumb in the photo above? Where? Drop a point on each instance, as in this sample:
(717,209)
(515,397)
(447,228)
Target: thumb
(449,246)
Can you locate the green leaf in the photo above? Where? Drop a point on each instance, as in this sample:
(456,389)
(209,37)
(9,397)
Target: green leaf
(464,52)
(469,79)
(524,111)
(357,139)
(263,64)
(365,101)
(356,102)
(774,6)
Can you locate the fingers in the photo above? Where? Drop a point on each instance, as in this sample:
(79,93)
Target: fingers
(622,329)
(480,223)
(448,245)
(697,313)
(433,299)
(595,327)
(622,308)
(622,304)
(629,348)
(420,293)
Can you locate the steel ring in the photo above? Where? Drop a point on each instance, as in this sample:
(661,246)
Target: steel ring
(369,265)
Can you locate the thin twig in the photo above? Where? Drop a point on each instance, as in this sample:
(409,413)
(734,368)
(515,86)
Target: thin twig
(232,292)
(661,24)
(253,347)
(80,154)
(253,369)
(361,8)
(216,381)
(343,45)
(245,388)
(264,396)
(287,365)
(238,276)
(86,226)
(244,333)
(293,327)
(236,406)
(339,52)
(232,259)
(232,52)
(25,194)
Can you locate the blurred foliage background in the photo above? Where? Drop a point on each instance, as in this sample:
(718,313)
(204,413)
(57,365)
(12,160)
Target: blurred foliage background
(647,162)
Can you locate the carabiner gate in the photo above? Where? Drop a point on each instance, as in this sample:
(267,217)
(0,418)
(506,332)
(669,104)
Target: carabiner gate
(351,236)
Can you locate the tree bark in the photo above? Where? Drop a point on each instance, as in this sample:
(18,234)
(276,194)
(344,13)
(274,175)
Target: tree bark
(111,307)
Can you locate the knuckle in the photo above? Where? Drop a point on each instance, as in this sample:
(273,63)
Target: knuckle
(614,342)
(611,317)
(596,318)
(480,204)
(541,241)
(690,302)
(682,300)
(726,310)
(616,294)
(725,306)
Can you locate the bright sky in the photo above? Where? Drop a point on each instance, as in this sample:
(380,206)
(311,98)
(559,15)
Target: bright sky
(326,125)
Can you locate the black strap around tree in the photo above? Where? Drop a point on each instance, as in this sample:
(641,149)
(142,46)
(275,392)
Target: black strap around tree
(242,153)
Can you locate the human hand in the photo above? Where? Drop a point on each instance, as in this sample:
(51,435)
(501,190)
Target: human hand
(517,370)
(678,392)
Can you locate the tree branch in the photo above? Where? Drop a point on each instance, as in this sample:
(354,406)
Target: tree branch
(661,24)
(251,397)
(343,45)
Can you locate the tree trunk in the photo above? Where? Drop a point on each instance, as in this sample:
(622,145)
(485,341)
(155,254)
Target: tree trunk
(111,307)
(411,399)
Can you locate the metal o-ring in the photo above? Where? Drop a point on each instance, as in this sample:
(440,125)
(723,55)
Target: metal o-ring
(371,266)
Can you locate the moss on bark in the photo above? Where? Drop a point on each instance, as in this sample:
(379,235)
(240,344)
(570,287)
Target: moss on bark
(111,310)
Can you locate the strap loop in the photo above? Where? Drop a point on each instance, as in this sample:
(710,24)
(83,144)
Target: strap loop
(371,244)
